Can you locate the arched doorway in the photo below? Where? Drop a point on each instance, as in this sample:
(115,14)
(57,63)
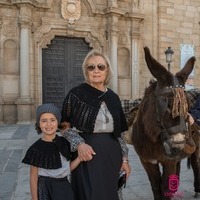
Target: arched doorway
(62,67)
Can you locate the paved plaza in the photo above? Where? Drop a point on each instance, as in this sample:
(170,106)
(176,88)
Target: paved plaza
(14,176)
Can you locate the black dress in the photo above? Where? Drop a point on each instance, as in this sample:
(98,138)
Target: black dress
(97,179)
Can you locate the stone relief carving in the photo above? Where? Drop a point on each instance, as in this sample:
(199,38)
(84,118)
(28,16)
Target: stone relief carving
(136,26)
(44,34)
(92,42)
(136,3)
(112,3)
(46,40)
(41,31)
(123,40)
(25,22)
(71,10)
(36,3)
(9,30)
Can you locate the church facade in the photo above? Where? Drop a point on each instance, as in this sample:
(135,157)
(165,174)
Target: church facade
(43,44)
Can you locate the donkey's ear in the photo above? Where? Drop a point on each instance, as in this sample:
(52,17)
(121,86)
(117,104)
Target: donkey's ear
(156,69)
(186,70)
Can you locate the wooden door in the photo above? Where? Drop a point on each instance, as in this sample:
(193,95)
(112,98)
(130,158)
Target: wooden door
(62,68)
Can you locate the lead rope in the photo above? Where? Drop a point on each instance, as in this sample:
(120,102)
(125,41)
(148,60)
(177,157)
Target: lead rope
(190,146)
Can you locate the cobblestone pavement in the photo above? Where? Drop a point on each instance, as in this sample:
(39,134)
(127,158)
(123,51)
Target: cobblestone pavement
(14,176)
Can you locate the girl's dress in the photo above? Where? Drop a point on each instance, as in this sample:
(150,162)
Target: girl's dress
(52,160)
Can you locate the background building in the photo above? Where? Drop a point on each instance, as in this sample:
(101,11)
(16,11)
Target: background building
(43,44)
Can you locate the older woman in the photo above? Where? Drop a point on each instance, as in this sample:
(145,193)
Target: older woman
(95,115)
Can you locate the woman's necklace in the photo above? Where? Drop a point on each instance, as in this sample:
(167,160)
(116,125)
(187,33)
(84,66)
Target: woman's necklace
(105,114)
(103,93)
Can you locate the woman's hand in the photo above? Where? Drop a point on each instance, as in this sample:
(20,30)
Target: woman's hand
(126,168)
(85,152)
(190,119)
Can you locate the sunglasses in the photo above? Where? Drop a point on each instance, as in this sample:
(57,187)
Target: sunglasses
(92,67)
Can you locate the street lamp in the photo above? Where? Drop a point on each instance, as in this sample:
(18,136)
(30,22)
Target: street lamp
(169,54)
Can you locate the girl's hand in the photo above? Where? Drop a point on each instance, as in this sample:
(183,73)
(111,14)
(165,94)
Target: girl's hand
(65,126)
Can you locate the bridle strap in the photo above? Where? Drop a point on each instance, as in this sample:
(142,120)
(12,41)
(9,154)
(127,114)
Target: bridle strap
(182,127)
(161,107)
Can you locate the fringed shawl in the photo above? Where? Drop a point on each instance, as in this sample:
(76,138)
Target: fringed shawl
(47,154)
(82,105)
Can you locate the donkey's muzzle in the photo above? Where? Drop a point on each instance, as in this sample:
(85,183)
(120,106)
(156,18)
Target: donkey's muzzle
(174,144)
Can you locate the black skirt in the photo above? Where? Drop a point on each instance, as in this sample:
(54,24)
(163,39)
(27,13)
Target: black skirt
(54,189)
(98,179)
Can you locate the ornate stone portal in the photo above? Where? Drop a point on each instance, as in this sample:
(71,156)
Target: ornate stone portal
(119,28)
(35,25)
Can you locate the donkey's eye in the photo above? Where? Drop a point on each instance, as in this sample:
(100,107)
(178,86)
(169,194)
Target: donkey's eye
(170,103)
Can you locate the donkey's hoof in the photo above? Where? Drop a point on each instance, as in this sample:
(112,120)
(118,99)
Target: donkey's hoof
(197,195)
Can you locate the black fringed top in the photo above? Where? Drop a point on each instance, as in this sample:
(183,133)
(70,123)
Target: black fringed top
(82,105)
(47,154)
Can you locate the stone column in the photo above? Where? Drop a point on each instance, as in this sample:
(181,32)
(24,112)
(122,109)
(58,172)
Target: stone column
(1,85)
(135,58)
(24,100)
(113,52)
(135,68)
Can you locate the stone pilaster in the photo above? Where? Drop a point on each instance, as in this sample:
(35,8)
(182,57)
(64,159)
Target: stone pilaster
(113,34)
(24,101)
(135,68)
(24,58)
(135,35)
(1,101)
(1,110)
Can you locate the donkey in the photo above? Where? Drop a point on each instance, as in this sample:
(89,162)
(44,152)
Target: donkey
(161,131)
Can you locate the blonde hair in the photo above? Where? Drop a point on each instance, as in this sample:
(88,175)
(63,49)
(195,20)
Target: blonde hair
(94,53)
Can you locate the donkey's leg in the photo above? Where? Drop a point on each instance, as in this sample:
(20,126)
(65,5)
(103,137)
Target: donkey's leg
(195,163)
(154,176)
(169,169)
(178,168)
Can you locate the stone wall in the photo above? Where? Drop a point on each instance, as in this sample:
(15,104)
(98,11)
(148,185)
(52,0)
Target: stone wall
(119,28)
(169,23)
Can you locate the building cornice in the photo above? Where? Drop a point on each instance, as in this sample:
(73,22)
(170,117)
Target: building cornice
(119,12)
(34,3)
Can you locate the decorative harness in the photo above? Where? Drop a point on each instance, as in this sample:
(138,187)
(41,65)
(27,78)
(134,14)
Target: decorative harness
(179,109)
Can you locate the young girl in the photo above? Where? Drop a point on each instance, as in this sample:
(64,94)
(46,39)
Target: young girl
(49,158)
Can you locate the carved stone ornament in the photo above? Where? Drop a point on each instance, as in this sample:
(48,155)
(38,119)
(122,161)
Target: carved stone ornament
(9,30)
(71,10)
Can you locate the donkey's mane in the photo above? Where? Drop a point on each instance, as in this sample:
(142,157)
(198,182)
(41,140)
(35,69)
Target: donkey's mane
(150,88)
(148,112)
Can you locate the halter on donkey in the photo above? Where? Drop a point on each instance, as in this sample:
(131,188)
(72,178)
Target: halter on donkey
(176,137)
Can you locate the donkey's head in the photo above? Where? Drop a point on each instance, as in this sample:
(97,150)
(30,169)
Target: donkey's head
(171,105)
